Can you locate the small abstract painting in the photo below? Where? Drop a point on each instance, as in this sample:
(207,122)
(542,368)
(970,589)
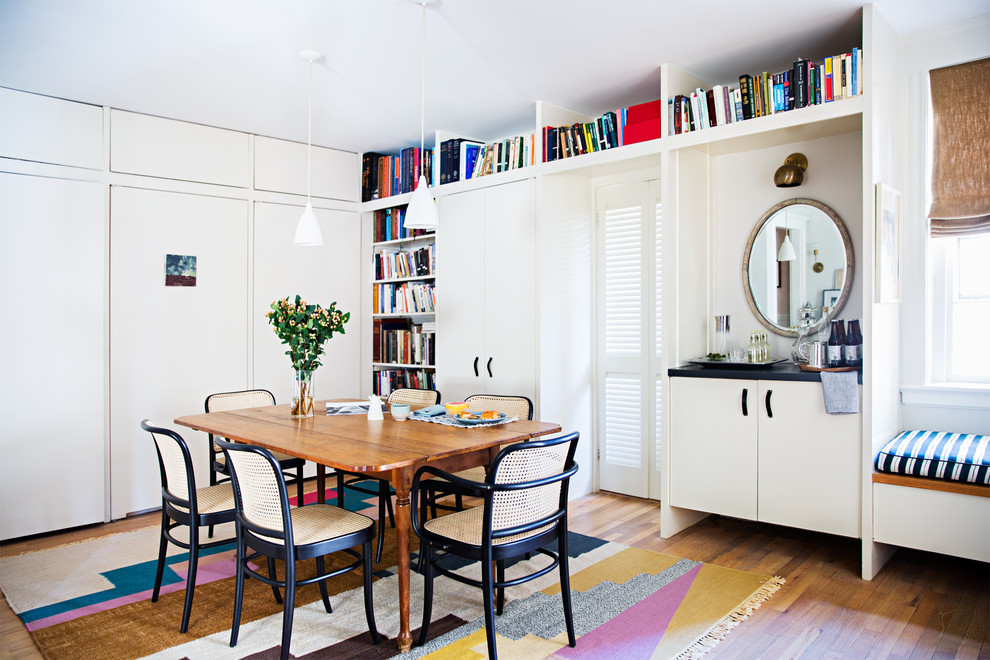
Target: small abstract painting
(180,270)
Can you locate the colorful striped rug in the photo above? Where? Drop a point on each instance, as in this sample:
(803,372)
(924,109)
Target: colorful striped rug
(92,600)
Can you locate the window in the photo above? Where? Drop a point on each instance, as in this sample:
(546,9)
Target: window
(960,223)
(961,265)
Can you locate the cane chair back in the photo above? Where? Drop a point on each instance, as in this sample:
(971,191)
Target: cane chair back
(239,400)
(511,405)
(415,398)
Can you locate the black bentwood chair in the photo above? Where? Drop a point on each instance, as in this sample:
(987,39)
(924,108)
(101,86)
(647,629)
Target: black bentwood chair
(267,527)
(416,399)
(525,509)
(184,505)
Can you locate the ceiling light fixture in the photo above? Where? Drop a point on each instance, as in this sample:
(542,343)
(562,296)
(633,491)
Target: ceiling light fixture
(422,210)
(308,233)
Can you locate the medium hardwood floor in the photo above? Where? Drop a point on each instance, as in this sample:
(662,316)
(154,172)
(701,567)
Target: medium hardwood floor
(921,605)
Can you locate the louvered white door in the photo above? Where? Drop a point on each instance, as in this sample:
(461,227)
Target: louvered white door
(626,345)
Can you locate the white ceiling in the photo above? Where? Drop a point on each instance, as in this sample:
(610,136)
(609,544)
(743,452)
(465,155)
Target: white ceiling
(235,63)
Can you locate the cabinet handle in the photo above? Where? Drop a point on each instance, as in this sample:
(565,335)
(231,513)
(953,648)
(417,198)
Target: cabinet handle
(490,367)
(769,411)
(745,408)
(476,367)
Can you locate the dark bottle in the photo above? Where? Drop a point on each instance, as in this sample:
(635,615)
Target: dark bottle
(836,340)
(852,350)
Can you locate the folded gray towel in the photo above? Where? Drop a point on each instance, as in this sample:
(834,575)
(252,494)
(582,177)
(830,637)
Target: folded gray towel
(840,392)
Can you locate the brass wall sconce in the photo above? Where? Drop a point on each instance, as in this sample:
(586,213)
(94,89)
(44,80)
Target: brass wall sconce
(791,173)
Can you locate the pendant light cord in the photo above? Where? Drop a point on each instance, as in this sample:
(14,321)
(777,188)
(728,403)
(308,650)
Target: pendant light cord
(422,96)
(309,137)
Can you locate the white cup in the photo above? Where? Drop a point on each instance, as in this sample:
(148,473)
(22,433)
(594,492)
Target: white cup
(400,411)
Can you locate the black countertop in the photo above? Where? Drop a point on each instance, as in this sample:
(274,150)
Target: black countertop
(780,371)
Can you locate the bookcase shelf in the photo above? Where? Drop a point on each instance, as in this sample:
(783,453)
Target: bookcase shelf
(398,365)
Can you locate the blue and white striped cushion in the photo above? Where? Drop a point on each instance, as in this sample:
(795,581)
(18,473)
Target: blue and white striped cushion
(948,456)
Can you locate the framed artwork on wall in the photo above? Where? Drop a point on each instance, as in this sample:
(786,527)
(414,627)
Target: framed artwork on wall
(888,244)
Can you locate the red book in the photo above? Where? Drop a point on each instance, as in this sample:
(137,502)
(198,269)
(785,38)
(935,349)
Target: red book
(642,122)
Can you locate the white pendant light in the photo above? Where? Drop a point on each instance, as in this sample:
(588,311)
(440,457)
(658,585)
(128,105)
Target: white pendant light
(308,233)
(786,252)
(422,210)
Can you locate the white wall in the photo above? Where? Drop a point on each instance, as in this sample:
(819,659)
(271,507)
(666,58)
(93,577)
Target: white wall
(744,190)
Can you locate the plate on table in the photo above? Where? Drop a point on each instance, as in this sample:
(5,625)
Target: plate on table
(725,364)
(474,422)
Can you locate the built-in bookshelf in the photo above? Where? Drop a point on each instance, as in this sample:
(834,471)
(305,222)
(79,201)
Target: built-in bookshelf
(403,303)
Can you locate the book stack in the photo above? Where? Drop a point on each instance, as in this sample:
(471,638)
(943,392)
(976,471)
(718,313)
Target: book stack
(805,84)
(396,264)
(636,123)
(387,380)
(405,298)
(383,176)
(387,225)
(398,341)
(499,156)
(457,159)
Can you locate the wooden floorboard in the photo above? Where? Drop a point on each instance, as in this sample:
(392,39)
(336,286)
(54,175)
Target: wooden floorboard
(921,605)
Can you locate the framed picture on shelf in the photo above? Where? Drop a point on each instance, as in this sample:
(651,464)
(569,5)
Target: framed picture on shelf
(830,297)
(888,240)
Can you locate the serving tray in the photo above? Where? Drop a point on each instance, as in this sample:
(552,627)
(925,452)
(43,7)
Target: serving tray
(725,364)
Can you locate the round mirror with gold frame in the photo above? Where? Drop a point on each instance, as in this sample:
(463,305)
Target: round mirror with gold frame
(806,283)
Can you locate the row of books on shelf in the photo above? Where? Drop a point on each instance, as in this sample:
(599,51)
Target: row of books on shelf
(386,381)
(398,341)
(461,159)
(405,298)
(805,84)
(613,129)
(396,264)
(383,176)
(387,225)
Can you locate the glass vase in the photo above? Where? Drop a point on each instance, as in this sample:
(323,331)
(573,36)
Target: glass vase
(302,394)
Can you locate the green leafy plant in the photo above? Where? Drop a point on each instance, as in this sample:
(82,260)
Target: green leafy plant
(305,328)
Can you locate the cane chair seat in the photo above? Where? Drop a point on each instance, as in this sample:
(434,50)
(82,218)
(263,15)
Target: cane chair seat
(316,523)
(213,499)
(465,527)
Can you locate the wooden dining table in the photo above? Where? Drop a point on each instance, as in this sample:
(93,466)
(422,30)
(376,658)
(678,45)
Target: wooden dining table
(387,449)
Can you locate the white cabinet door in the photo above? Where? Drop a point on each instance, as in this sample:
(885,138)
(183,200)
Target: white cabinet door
(460,295)
(52,354)
(713,445)
(510,290)
(809,460)
(487,292)
(171,346)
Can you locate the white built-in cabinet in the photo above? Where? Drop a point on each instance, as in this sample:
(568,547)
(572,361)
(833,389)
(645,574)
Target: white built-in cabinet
(52,354)
(486,285)
(764,450)
(91,201)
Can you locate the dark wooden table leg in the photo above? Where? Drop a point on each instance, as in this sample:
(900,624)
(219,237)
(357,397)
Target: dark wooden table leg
(402,526)
(321,483)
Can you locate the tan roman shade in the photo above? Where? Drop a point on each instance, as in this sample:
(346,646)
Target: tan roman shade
(961,149)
